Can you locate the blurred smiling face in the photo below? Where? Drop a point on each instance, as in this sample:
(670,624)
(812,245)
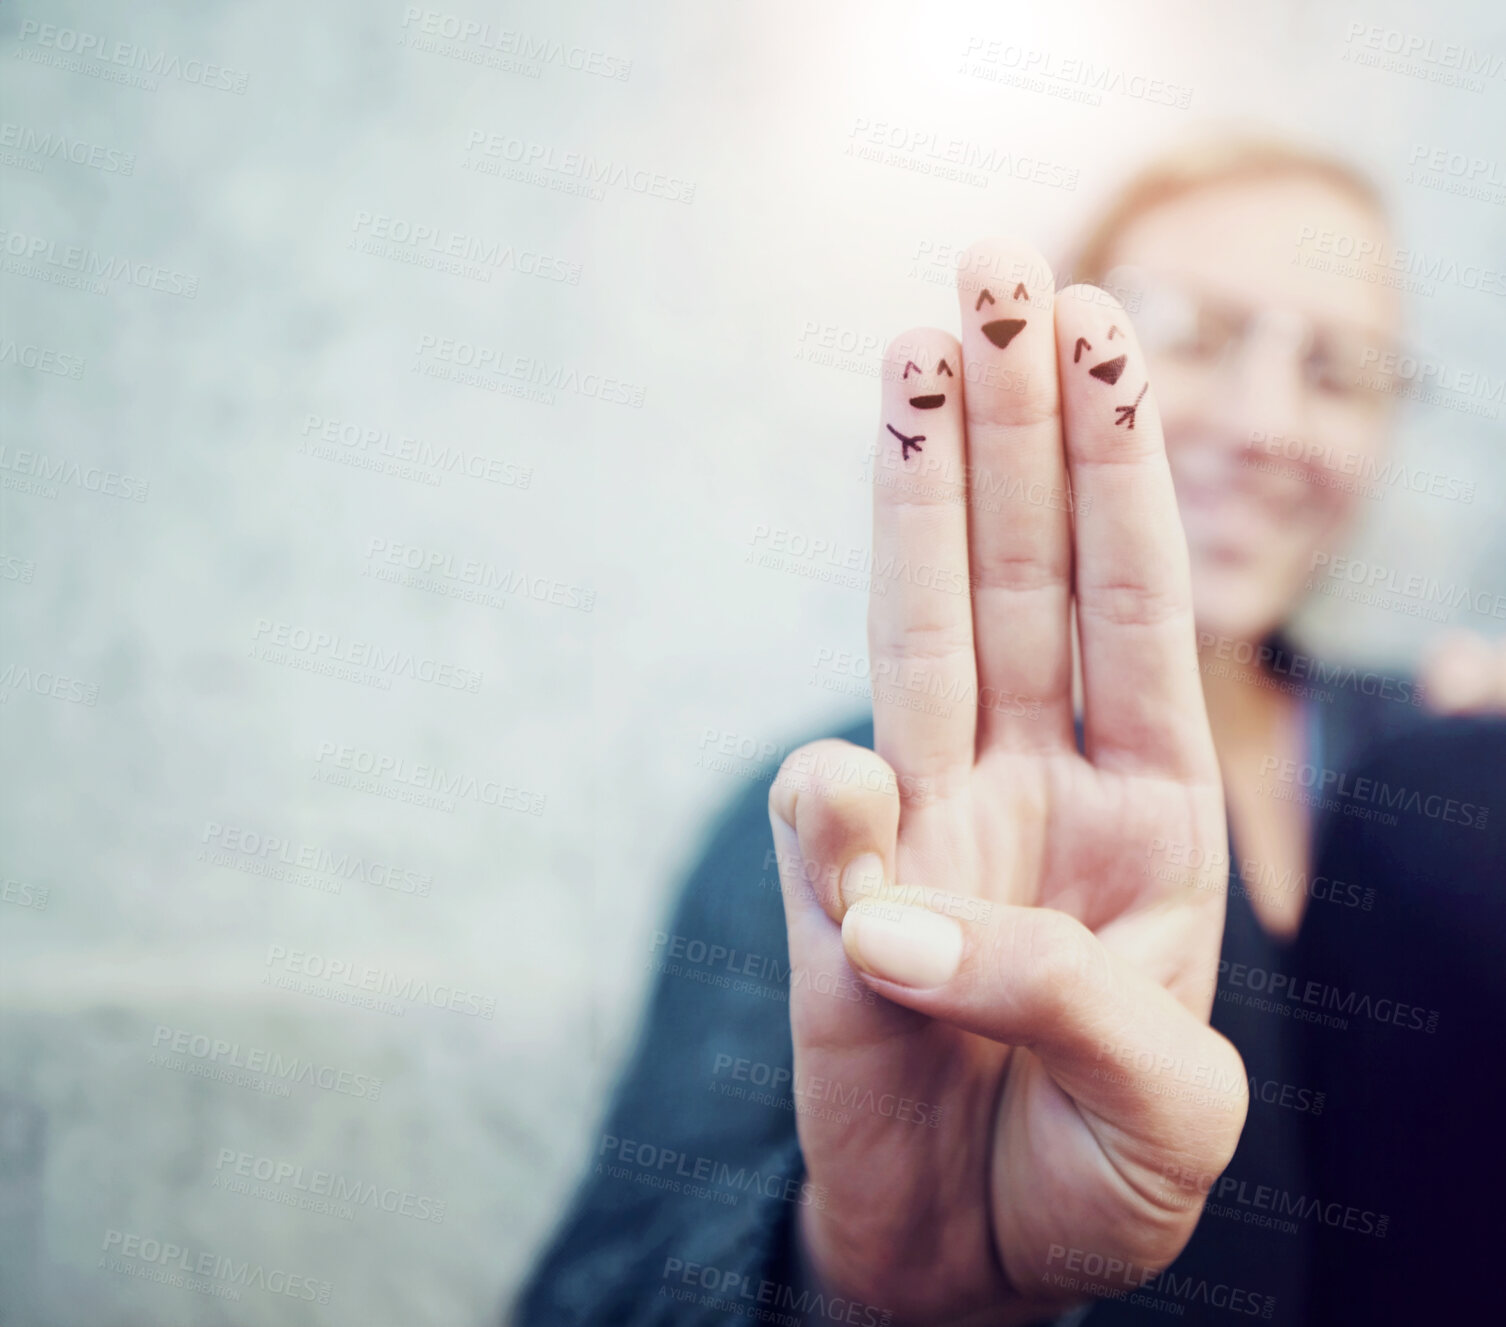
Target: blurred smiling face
(1269,374)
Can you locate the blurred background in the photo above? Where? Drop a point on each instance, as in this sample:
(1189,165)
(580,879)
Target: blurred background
(434,463)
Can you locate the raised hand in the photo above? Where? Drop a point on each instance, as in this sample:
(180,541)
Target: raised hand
(1043,962)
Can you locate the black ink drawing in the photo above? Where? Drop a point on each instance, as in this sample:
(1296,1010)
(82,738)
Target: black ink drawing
(1002,330)
(906,443)
(934,400)
(1126,413)
(1082,344)
(1109,370)
(1020,292)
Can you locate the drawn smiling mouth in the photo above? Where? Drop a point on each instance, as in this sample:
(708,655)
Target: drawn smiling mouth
(1003,330)
(927,402)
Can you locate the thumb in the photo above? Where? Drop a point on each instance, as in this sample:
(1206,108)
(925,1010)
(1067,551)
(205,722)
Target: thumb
(1121,1046)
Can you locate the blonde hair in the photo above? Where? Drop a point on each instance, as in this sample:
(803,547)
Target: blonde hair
(1202,164)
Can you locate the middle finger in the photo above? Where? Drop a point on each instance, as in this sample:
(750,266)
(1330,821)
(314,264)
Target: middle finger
(1019,531)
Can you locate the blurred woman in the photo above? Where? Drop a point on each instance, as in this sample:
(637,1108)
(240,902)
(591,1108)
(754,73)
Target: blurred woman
(1002,943)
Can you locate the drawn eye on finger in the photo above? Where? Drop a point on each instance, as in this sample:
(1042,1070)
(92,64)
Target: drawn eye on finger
(1001,331)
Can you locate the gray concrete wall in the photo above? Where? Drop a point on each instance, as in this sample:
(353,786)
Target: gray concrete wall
(250,332)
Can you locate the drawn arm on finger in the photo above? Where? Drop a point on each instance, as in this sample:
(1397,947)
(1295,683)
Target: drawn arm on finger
(1126,413)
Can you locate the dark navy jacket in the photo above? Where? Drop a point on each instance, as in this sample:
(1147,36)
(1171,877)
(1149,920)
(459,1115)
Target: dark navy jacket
(1368,1183)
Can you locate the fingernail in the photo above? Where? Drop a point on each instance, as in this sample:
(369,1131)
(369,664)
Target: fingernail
(906,945)
(863,878)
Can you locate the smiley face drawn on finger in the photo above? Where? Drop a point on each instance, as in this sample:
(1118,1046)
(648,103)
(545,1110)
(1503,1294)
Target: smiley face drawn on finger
(1001,331)
(1111,369)
(922,400)
(927,400)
